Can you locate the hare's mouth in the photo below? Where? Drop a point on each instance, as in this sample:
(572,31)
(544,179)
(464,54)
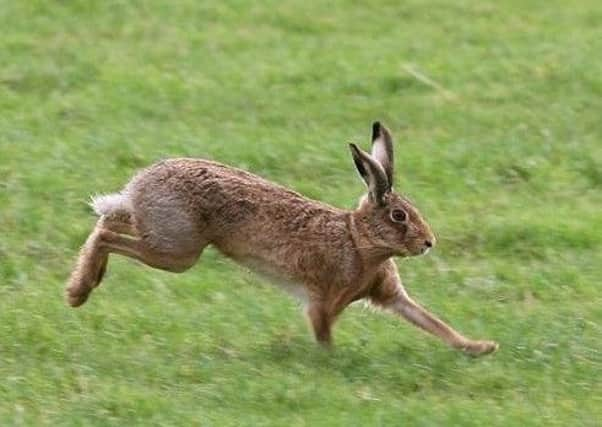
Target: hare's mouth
(412,252)
(418,252)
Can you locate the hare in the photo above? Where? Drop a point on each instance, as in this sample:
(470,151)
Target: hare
(168,213)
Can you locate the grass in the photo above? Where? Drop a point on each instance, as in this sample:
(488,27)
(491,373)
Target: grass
(496,110)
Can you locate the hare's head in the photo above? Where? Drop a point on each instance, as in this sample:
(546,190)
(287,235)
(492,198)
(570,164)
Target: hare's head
(390,220)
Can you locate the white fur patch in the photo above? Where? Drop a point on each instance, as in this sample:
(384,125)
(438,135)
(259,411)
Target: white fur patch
(111,204)
(379,152)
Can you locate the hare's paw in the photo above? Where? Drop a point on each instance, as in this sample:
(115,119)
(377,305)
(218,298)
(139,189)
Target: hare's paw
(480,348)
(78,290)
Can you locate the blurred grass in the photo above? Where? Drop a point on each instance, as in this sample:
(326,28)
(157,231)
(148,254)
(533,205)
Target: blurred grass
(502,154)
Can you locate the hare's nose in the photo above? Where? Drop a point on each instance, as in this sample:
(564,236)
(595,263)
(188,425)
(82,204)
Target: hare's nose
(428,243)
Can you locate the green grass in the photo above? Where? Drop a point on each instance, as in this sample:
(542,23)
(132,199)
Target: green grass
(503,154)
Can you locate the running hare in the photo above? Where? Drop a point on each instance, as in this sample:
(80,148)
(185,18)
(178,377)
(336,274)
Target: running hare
(171,211)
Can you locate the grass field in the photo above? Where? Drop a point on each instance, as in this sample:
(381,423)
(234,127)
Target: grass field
(497,113)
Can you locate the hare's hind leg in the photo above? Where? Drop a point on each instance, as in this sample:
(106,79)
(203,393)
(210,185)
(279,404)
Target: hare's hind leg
(92,261)
(119,226)
(140,249)
(152,229)
(103,241)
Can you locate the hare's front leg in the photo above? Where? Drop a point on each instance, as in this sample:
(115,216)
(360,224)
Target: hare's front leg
(391,295)
(320,323)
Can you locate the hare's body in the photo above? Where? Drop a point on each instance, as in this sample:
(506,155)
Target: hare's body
(171,211)
(181,205)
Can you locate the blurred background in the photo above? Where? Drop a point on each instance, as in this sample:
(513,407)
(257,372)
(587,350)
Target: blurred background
(495,107)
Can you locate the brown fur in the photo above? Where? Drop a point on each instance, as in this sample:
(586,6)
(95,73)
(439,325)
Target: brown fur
(171,211)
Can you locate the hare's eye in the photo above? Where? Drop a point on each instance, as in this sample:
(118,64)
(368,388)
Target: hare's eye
(398,215)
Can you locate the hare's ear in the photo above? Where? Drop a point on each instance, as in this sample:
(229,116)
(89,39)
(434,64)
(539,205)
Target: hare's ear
(382,148)
(372,173)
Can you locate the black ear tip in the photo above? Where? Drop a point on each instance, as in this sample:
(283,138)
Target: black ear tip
(376,127)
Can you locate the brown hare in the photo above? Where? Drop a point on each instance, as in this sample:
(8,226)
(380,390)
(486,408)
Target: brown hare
(170,212)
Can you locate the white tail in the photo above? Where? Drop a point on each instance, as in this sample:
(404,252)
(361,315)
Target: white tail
(110,205)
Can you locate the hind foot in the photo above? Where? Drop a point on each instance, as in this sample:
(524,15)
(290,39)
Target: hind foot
(79,287)
(77,291)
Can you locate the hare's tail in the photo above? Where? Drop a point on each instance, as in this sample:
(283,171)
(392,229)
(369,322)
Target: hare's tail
(116,206)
